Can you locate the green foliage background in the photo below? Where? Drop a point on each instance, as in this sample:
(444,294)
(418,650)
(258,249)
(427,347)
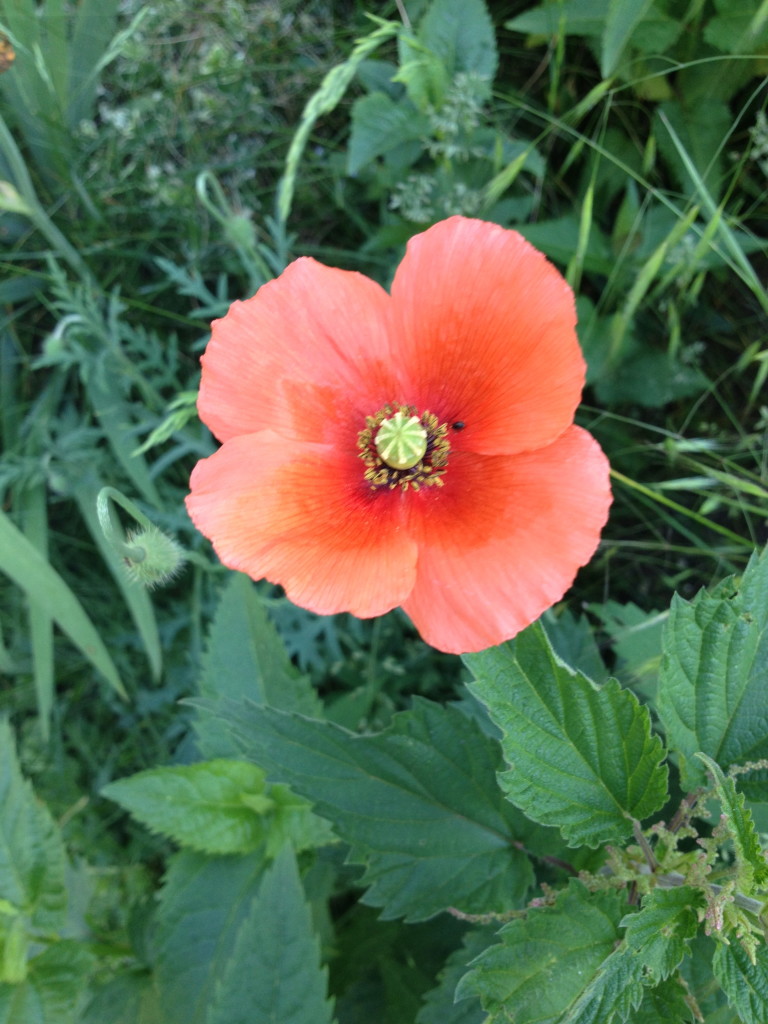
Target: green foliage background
(219,808)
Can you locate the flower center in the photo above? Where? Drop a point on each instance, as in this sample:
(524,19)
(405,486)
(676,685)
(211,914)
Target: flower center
(401,448)
(401,440)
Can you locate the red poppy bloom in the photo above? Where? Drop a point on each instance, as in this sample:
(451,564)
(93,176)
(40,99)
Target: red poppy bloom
(414,448)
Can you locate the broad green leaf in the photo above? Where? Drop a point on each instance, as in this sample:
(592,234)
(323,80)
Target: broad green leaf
(623,18)
(218,807)
(440,1006)
(29,570)
(582,758)
(737,821)
(274,975)
(380,125)
(32,855)
(659,935)
(245,659)
(714,674)
(460,33)
(744,983)
(738,28)
(203,905)
(418,803)
(546,960)
(52,991)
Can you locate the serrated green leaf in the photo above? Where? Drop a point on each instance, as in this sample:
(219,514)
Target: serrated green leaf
(245,659)
(274,974)
(52,990)
(219,807)
(623,18)
(461,34)
(737,820)
(611,995)
(582,758)
(418,802)
(660,933)
(745,984)
(203,905)
(32,855)
(379,125)
(714,674)
(664,1004)
(546,960)
(213,807)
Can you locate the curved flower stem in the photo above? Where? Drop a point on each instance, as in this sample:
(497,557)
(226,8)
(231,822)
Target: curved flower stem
(111,526)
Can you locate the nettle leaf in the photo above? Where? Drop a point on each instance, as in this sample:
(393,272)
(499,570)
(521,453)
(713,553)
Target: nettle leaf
(745,984)
(274,973)
(203,905)
(32,855)
(51,992)
(714,675)
(381,125)
(218,807)
(245,659)
(664,1004)
(737,820)
(611,995)
(548,960)
(418,803)
(582,757)
(461,34)
(660,933)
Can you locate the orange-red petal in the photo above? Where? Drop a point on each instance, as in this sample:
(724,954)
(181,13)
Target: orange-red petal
(485,332)
(297,515)
(503,540)
(307,356)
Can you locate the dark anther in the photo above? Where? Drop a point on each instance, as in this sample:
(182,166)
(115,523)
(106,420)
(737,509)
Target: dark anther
(458,425)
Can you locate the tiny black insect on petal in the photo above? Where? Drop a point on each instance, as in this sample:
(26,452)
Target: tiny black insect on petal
(458,425)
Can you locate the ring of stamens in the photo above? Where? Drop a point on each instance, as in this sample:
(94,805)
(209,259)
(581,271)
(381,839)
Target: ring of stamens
(430,467)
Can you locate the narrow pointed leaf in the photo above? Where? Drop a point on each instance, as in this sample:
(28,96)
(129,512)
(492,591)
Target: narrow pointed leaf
(419,803)
(714,676)
(582,757)
(744,983)
(737,819)
(29,570)
(274,974)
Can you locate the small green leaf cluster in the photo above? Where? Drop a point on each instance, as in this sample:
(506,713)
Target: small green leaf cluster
(422,138)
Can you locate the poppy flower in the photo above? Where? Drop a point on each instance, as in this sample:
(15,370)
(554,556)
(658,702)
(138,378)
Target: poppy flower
(412,449)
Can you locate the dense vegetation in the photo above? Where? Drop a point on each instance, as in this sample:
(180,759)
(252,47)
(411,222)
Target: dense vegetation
(153,168)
